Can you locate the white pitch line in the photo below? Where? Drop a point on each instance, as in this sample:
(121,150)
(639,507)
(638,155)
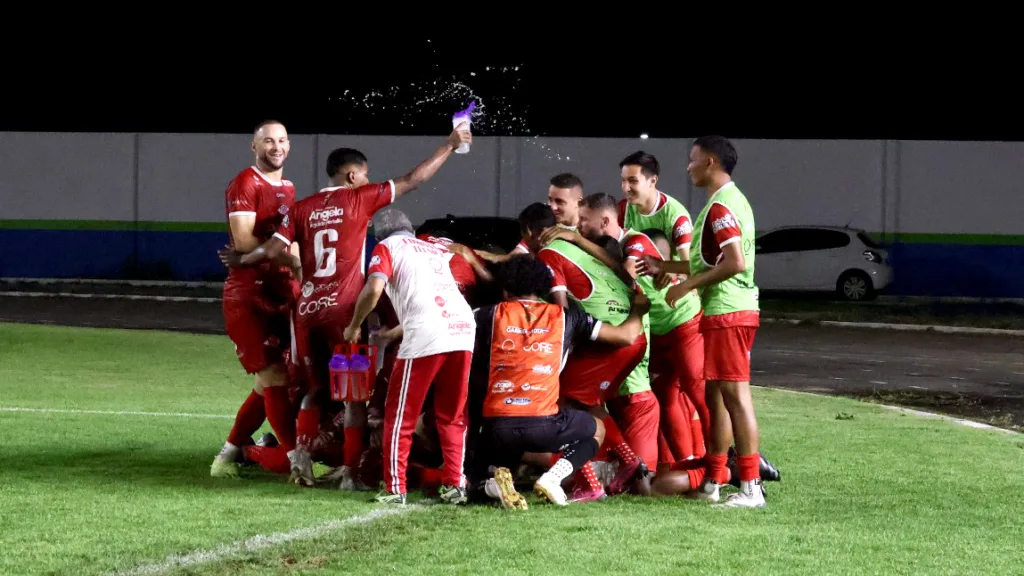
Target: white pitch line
(111,296)
(261,542)
(114,412)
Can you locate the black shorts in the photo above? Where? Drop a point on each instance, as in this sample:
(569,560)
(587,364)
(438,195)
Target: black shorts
(509,438)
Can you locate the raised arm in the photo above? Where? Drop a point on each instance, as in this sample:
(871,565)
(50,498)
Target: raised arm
(426,169)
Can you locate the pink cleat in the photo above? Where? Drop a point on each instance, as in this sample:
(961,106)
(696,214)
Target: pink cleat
(583,493)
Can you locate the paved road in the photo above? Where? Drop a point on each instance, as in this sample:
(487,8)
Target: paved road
(975,376)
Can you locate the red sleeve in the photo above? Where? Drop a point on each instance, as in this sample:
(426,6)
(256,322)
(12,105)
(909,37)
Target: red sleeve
(242,195)
(373,197)
(622,212)
(521,247)
(682,234)
(554,263)
(639,245)
(724,225)
(380,263)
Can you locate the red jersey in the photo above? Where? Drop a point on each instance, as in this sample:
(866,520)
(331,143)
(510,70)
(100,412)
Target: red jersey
(251,193)
(462,270)
(330,227)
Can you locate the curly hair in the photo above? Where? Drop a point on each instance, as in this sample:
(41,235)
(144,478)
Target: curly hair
(524,275)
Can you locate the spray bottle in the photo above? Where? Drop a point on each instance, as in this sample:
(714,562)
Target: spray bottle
(460,117)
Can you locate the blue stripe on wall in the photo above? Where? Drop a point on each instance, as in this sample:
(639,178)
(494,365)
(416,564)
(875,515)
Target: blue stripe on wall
(968,270)
(148,255)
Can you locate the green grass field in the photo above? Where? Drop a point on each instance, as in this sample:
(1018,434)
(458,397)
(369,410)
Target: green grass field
(106,490)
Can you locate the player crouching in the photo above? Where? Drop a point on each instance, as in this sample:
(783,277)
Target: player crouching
(527,341)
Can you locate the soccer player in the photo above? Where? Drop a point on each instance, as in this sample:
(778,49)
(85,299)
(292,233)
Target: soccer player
(595,371)
(438,333)
(722,269)
(466,266)
(647,207)
(676,346)
(565,194)
(257,300)
(676,342)
(521,348)
(330,230)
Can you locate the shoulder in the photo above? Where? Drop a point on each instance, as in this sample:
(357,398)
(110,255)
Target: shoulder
(376,188)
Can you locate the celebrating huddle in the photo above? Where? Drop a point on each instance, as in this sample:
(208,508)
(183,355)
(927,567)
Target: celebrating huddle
(608,353)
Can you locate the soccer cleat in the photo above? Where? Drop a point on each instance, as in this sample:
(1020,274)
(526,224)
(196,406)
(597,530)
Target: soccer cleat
(627,473)
(225,465)
(751,495)
(302,468)
(349,481)
(549,488)
(268,440)
(385,497)
(767,470)
(452,495)
(583,493)
(502,488)
(709,491)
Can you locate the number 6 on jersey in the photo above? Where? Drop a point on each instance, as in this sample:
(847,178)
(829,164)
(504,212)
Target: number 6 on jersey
(326,256)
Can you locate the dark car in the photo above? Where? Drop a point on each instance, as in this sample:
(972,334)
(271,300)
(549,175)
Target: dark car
(491,233)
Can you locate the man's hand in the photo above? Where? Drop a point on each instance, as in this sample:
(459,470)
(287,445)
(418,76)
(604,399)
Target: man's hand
(641,304)
(460,249)
(553,233)
(678,292)
(630,266)
(352,334)
(650,265)
(663,279)
(230,257)
(461,135)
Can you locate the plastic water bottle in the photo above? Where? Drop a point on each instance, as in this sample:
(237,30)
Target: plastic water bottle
(461,117)
(339,363)
(359,363)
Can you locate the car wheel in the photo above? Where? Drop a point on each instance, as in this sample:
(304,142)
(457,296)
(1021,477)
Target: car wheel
(855,286)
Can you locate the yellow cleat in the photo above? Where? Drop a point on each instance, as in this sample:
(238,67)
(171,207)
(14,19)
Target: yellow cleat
(510,498)
(224,469)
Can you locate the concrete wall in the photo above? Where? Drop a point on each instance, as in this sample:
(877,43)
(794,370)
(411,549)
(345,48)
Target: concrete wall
(151,205)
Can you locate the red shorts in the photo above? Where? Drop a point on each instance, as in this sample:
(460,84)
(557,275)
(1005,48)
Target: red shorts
(597,370)
(261,335)
(639,417)
(727,353)
(680,351)
(314,346)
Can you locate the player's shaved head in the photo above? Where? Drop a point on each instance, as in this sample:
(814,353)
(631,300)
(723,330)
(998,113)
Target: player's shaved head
(264,128)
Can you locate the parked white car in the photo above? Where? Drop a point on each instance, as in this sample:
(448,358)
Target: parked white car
(821,258)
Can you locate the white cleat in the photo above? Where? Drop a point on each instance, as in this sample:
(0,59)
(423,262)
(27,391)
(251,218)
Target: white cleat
(751,495)
(709,491)
(549,488)
(302,468)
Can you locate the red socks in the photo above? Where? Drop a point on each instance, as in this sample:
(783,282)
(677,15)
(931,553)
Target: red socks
(248,420)
(280,415)
(272,459)
(353,446)
(590,477)
(717,469)
(308,427)
(613,438)
(750,466)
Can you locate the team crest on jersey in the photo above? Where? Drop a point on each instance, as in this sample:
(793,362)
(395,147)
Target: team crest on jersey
(307,289)
(375,261)
(282,209)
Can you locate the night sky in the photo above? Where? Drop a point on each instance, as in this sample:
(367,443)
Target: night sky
(621,92)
